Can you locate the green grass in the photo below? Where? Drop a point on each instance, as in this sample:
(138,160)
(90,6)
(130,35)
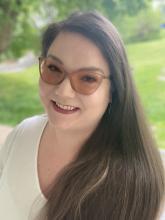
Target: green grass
(148,62)
(19,91)
(19,96)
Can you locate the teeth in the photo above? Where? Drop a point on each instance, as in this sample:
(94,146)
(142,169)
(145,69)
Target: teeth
(65,107)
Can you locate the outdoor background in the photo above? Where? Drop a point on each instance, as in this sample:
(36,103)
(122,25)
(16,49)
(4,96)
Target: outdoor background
(141,24)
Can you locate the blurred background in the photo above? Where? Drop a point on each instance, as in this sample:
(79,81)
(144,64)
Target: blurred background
(141,24)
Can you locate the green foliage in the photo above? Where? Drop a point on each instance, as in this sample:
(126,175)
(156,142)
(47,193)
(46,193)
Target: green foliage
(15,26)
(25,36)
(18,29)
(116,8)
(65,7)
(142,27)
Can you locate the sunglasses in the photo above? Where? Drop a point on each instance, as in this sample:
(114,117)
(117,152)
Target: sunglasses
(83,81)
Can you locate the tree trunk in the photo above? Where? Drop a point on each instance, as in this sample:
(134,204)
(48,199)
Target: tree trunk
(7,23)
(6,36)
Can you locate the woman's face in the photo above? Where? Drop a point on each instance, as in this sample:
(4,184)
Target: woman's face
(75,111)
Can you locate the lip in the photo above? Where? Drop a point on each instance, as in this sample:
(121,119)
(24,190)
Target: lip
(63,111)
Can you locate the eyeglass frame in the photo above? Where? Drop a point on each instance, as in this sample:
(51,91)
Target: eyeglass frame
(67,73)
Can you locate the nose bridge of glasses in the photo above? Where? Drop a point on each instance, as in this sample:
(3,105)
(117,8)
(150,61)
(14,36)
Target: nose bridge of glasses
(70,75)
(65,86)
(66,73)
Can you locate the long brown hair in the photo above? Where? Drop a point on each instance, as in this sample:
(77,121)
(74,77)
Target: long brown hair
(118,173)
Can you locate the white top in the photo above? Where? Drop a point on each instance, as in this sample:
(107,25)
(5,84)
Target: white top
(20,193)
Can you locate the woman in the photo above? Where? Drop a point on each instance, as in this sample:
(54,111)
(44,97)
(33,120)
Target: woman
(92,155)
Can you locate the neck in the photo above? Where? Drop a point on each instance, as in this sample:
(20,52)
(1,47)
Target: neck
(65,143)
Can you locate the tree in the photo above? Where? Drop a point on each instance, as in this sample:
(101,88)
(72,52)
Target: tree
(19,29)
(116,8)
(13,16)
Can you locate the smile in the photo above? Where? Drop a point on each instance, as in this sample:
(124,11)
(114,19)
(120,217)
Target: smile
(64,109)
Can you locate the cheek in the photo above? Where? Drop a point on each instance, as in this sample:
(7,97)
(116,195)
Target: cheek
(41,90)
(44,91)
(98,101)
(103,96)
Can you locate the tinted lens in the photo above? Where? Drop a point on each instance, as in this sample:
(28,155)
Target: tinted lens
(50,71)
(85,82)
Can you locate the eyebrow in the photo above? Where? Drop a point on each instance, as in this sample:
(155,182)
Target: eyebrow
(90,68)
(55,58)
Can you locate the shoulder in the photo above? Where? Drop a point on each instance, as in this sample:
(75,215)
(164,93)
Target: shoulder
(34,122)
(30,124)
(30,127)
(25,131)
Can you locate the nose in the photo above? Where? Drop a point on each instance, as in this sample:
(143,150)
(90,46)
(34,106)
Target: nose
(64,89)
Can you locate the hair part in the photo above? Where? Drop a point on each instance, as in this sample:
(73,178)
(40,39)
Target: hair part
(118,173)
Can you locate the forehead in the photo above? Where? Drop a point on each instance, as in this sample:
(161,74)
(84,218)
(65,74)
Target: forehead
(77,51)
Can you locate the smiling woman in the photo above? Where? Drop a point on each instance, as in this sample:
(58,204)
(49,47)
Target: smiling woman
(84,88)
(91,156)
